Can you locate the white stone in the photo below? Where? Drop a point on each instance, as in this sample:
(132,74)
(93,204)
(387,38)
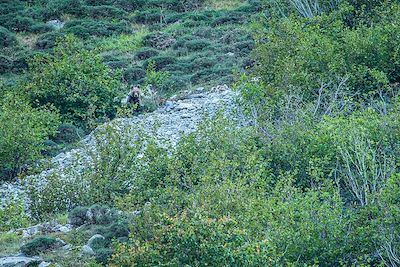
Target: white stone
(87,250)
(18,261)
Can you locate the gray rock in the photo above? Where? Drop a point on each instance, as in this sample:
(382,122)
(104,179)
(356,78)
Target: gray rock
(94,239)
(19,261)
(66,247)
(179,116)
(44,264)
(56,24)
(87,250)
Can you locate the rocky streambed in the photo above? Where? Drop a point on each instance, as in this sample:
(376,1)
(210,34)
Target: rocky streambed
(177,117)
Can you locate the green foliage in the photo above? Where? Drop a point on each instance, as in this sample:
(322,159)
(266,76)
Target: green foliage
(39,245)
(104,11)
(48,40)
(160,62)
(23,129)
(389,223)
(88,28)
(67,133)
(146,53)
(77,216)
(7,38)
(134,75)
(6,64)
(304,57)
(12,216)
(156,79)
(76,82)
(54,9)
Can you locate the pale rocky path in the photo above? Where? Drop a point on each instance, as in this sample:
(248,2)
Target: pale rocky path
(178,116)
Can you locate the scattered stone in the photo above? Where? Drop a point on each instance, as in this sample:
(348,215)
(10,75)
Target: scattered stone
(44,264)
(184,105)
(19,261)
(56,24)
(94,239)
(179,116)
(87,250)
(66,247)
(44,228)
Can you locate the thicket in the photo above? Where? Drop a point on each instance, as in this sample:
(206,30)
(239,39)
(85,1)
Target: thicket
(76,82)
(23,130)
(313,180)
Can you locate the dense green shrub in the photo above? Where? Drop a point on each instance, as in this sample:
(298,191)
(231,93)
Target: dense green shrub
(7,38)
(23,130)
(133,75)
(196,45)
(245,47)
(16,22)
(228,18)
(21,59)
(149,16)
(89,28)
(104,11)
(77,216)
(40,28)
(158,40)
(53,80)
(13,216)
(130,5)
(54,9)
(116,62)
(5,64)
(39,245)
(48,40)
(68,133)
(160,62)
(309,57)
(8,7)
(146,53)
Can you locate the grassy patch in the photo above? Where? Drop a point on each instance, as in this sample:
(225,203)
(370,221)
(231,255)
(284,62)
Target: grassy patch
(122,43)
(9,243)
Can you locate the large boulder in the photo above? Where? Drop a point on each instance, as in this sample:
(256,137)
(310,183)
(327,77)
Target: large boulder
(19,261)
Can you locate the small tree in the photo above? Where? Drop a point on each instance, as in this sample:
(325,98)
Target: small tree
(76,82)
(23,129)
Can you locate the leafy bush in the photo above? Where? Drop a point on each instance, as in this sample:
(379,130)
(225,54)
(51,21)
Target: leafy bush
(228,18)
(106,179)
(160,62)
(48,40)
(133,75)
(77,216)
(88,28)
(13,216)
(40,28)
(309,57)
(7,38)
(156,79)
(23,129)
(149,16)
(68,133)
(196,45)
(16,22)
(54,9)
(158,40)
(145,53)
(39,245)
(6,64)
(53,80)
(116,62)
(104,11)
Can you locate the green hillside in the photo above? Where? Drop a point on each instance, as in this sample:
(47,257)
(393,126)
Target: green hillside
(305,173)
